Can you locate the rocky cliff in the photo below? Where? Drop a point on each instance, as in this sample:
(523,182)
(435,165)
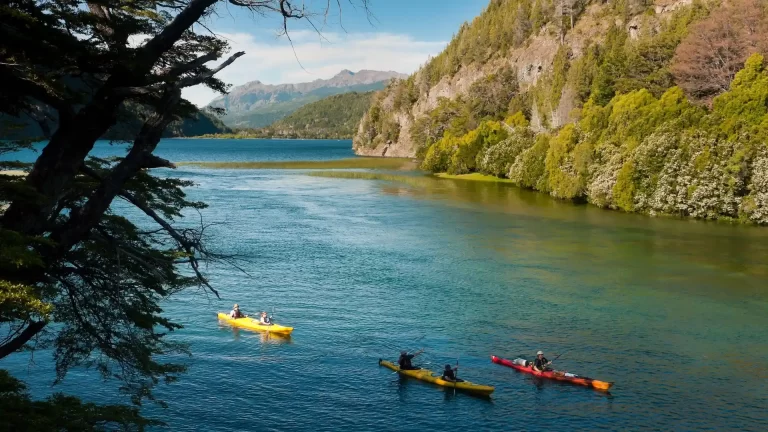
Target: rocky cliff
(536,32)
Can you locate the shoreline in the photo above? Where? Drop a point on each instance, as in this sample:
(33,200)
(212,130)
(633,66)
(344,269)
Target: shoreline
(474,177)
(264,138)
(18,173)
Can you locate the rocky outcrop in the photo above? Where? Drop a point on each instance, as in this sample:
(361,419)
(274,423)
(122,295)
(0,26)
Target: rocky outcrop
(531,61)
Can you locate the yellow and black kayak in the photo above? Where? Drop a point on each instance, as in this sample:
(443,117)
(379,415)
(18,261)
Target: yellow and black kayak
(428,376)
(252,324)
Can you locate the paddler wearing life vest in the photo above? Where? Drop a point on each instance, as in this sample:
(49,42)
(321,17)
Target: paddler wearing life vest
(449,374)
(235,313)
(405,360)
(264,319)
(541,362)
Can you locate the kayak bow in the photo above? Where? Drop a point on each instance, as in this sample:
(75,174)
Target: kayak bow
(428,376)
(523,366)
(252,324)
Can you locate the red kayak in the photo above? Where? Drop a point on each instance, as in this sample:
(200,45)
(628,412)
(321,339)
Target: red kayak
(526,366)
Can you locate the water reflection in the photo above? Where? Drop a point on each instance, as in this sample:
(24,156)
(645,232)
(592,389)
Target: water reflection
(542,383)
(404,383)
(604,237)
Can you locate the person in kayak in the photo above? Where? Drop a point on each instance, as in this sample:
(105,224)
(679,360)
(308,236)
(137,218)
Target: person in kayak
(236,312)
(264,319)
(405,360)
(449,374)
(541,362)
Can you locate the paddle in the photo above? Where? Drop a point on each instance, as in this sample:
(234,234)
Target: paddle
(456,376)
(558,356)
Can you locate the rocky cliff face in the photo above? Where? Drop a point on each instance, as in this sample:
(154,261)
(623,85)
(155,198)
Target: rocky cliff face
(531,60)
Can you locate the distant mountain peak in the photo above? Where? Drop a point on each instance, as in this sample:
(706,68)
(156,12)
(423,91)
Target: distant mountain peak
(255,104)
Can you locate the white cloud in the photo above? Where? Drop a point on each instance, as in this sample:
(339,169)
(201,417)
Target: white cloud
(271,60)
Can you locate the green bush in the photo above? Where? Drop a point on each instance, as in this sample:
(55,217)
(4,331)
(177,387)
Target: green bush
(497,159)
(529,169)
(624,189)
(438,156)
(564,182)
(467,148)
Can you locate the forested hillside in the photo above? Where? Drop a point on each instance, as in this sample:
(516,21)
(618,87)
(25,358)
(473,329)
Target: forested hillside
(632,105)
(334,117)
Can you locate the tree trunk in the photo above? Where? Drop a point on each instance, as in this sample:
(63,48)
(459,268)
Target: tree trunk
(58,164)
(146,142)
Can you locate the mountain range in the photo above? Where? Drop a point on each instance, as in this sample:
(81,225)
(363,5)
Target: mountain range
(256,104)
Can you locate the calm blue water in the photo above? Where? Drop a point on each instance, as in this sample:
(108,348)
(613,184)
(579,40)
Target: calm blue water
(675,312)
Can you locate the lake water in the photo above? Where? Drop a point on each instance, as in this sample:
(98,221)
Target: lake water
(675,312)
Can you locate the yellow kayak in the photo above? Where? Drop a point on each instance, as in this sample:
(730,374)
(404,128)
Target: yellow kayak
(252,324)
(428,376)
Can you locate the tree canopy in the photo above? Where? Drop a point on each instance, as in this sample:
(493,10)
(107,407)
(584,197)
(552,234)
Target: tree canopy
(77,274)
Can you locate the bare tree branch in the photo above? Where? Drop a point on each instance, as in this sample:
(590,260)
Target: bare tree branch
(197,79)
(190,66)
(163,41)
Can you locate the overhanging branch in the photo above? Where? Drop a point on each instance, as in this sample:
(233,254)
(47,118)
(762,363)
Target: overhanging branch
(190,247)
(189,66)
(18,342)
(197,79)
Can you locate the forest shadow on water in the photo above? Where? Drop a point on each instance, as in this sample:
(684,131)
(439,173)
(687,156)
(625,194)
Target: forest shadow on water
(738,250)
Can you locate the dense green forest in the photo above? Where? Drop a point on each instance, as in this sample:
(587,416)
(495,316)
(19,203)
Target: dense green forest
(334,117)
(669,113)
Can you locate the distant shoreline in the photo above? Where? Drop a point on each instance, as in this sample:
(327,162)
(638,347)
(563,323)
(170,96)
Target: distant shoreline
(262,138)
(13,173)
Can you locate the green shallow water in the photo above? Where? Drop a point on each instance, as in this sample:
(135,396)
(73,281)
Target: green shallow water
(675,312)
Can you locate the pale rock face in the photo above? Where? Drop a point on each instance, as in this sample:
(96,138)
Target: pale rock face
(666,6)
(532,60)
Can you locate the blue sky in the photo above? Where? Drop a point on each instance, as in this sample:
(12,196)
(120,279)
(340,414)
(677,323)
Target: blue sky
(401,37)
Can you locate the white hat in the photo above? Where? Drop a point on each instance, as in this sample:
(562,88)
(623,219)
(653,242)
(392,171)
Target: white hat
(540,353)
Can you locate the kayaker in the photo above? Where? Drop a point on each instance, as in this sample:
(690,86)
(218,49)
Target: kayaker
(541,362)
(449,374)
(264,319)
(236,312)
(405,360)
